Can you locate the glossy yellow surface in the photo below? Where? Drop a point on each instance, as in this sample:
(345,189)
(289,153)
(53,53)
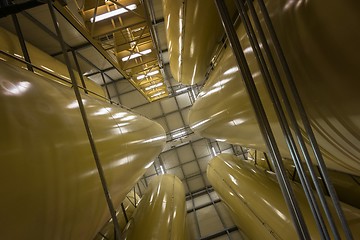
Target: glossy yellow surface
(320,51)
(130,202)
(193,30)
(161,212)
(347,186)
(9,43)
(49,185)
(256,202)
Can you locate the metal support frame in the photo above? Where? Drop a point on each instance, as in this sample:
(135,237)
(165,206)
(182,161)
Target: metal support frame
(22,42)
(282,120)
(306,123)
(69,48)
(79,70)
(218,234)
(264,125)
(124,212)
(86,122)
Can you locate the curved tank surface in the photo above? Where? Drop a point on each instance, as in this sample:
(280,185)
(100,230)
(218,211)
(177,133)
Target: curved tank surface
(320,52)
(347,186)
(47,66)
(193,30)
(130,203)
(49,184)
(256,203)
(161,213)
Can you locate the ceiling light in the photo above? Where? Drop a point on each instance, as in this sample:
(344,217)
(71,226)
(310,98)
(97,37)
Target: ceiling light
(153,73)
(154,86)
(135,55)
(162,169)
(148,75)
(213,151)
(113,13)
(158,94)
(179,134)
(182,89)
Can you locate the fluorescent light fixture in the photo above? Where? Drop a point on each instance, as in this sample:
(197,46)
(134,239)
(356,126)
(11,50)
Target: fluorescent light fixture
(113,13)
(158,94)
(178,134)
(162,169)
(213,151)
(153,73)
(181,89)
(135,55)
(148,75)
(154,86)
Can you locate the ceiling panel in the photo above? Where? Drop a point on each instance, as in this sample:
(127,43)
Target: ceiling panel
(192,225)
(195,183)
(174,120)
(209,221)
(71,36)
(123,86)
(191,168)
(169,105)
(158,9)
(132,99)
(201,200)
(186,154)
(183,100)
(95,58)
(151,110)
(201,148)
(170,159)
(114,74)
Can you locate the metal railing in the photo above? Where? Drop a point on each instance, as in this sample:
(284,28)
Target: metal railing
(278,95)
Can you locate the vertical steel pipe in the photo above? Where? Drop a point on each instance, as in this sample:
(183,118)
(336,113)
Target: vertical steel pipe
(86,123)
(22,41)
(304,119)
(282,119)
(264,125)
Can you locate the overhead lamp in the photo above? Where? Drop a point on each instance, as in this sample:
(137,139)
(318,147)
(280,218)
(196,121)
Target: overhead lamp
(175,135)
(158,94)
(135,55)
(113,13)
(148,75)
(154,86)
(181,89)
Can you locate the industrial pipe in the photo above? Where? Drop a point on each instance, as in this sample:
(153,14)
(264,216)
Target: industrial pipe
(256,204)
(161,213)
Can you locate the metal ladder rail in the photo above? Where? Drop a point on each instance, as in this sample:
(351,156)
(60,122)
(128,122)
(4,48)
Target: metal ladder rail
(264,125)
(282,118)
